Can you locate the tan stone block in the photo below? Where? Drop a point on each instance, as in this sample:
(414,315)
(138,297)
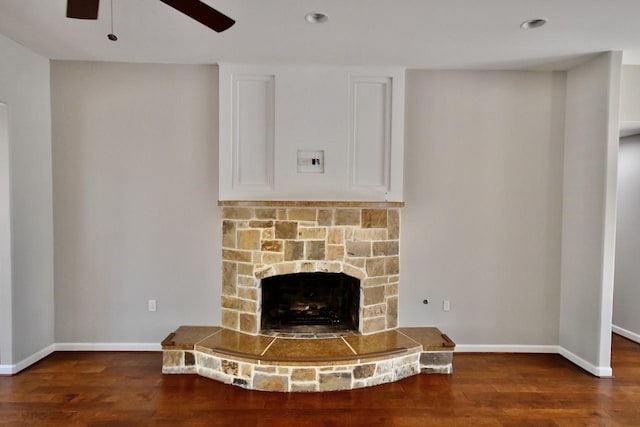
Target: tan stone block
(293,250)
(385,248)
(353,272)
(374,311)
(370,234)
(272,257)
(335,252)
(303,374)
(249,293)
(248,239)
(266,382)
(245,370)
(286,230)
(297,214)
(316,233)
(245,280)
(330,267)
(304,387)
(364,371)
(375,267)
(238,304)
(335,236)
(325,217)
(266,213)
(391,265)
(375,281)
(264,272)
(230,319)
(248,323)
(245,268)
(356,262)
(374,218)
(392,312)
(315,249)
(233,255)
(271,246)
(229,278)
(172,358)
(281,214)
(286,268)
(229,367)
(374,295)
(208,362)
(347,217)
(308,267)
(358,248)
(260,224)
(268,234)
(265,369)
(256,257)
(392,289)
(335,381)
(375,324)
(349,232)
(237,213)
(393,224)
(228,234)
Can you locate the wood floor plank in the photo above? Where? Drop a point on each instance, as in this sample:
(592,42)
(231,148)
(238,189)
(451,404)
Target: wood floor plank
(128,389)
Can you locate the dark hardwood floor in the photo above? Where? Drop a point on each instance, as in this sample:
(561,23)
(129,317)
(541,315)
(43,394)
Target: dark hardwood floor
(120,389)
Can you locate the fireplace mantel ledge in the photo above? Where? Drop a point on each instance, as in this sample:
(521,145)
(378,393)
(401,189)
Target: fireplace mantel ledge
(311,203)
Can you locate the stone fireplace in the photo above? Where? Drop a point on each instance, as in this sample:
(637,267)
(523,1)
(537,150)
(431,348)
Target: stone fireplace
(261,240)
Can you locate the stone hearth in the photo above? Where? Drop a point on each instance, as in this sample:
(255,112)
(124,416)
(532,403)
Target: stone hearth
(268,363)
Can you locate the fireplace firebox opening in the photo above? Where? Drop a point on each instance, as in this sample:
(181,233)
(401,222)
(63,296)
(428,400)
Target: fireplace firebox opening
(310,302)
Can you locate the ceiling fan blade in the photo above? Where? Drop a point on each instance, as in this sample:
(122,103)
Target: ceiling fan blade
(82,9)
(202,13)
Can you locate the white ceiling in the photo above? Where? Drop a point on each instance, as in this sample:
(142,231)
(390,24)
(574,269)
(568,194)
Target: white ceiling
(454,34)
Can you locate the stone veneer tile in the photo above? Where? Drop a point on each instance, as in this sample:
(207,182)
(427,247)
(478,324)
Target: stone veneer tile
(229,277)
(374,218)
(260,224)
(364,371)
(245,268)
(238,304)
(347,217)
(271,246)
(237,213)
(230,319)
(325,217)
(315,249)
(304,387)
(250,293)
(374,324)
(392,312)
(335,252)
(248,323)
(393,224)
(312,233)
(248,239)
(171,358)
(375,267)
(233,255)
(335,381)
(272,257)
(374,295)
(293,250)
(335,236)
(295,214)
(385,248)
(228,234)
(303,374)
(358,249)
(270,382)
(266,213)
(286,230)
(391,265)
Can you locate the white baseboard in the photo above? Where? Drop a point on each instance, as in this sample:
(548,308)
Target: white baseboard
(25,363)
(107,346)
(626,333)
(598,371)
(505,348)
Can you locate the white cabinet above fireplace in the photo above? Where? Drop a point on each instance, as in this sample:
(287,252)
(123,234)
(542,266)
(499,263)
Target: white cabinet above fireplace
(311,133)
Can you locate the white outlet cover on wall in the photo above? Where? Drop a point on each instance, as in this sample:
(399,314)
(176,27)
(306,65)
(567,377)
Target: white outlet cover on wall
(310,161)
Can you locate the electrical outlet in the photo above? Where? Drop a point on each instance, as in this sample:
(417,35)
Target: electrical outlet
(446,305)
(153,305)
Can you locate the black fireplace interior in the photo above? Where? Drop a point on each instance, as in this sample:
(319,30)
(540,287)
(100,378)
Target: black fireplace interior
(310,302)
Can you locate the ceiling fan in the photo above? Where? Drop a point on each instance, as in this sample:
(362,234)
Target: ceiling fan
(201,12)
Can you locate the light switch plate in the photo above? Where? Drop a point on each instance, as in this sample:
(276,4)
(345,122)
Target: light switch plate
(310,161)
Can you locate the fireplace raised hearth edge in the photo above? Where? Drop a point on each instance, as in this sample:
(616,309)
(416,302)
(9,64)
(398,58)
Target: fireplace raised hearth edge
(276,363)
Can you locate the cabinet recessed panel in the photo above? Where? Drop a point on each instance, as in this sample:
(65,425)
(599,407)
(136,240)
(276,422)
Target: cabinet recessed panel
(253,131)
(370,132)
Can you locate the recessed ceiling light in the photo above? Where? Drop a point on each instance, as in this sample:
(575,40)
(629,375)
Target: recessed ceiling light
(316,17)
(533,23)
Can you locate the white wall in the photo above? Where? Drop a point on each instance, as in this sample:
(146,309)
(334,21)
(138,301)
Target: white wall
(626,299)
(588,229)
(135,200)
(26,305)
(483,193)
(630,97)
(5,239)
